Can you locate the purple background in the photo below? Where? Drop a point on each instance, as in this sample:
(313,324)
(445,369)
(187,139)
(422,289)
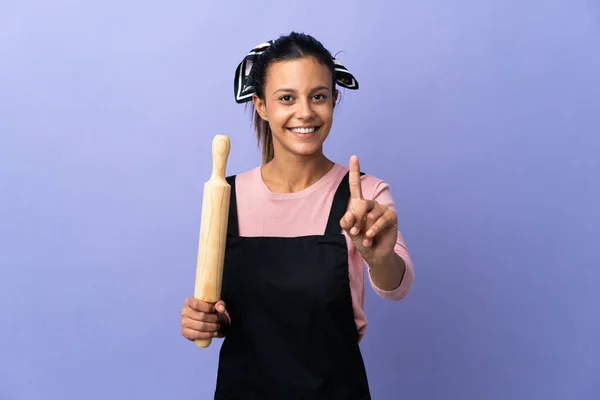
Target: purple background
(483,116)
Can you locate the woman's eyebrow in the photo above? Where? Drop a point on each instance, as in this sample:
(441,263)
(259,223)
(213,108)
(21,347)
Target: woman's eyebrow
(287,90)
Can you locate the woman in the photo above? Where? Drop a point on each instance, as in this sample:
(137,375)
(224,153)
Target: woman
(301,229)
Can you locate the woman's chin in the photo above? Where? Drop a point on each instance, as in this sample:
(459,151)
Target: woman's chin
(307,149)
(302,145)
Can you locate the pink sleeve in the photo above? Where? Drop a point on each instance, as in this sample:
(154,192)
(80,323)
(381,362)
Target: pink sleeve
(383,196)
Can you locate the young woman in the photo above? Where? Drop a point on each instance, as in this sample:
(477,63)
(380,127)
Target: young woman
(301,229)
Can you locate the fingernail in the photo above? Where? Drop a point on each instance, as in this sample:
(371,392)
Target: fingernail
(354,231)
(366,243)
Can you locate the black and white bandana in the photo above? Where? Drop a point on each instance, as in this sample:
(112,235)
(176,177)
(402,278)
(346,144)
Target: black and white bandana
(243,91)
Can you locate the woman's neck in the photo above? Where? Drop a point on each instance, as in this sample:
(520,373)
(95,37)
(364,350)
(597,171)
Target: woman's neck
(294,174)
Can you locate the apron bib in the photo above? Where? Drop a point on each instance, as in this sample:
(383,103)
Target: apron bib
(292,334)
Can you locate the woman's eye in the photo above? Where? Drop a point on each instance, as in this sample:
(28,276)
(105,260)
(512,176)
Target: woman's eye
(288,98)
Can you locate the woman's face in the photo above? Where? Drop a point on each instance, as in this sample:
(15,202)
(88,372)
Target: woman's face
(298,104)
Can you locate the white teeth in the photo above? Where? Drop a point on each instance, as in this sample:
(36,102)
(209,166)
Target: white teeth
(303,130)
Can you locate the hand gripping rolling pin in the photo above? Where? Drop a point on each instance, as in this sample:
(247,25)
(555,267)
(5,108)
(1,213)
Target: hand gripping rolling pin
(213,229)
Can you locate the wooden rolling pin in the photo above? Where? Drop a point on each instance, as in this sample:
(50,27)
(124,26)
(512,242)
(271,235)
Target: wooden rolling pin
(213,229)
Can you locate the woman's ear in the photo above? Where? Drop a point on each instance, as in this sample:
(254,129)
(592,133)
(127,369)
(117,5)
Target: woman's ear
(336,94)
(260,107)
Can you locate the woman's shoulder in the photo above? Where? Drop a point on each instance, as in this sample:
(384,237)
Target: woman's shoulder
(246,176)
(244,173)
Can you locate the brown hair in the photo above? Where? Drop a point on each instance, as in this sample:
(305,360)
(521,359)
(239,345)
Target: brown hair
(290,47)
(264,137)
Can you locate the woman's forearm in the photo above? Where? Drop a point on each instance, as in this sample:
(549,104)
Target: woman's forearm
(387,273)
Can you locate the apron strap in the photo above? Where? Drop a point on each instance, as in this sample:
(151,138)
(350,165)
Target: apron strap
(232,223)
(339,206)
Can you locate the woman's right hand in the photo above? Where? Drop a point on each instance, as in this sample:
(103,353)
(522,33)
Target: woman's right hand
(201,320)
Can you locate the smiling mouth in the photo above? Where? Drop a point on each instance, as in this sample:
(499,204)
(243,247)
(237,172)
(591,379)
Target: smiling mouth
(304,130)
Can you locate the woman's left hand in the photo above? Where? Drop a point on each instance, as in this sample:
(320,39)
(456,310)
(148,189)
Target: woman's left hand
(372,227)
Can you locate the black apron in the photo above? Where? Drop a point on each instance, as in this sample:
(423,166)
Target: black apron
(292,334)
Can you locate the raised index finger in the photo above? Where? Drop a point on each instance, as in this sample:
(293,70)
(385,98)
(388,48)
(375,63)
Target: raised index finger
(354,178)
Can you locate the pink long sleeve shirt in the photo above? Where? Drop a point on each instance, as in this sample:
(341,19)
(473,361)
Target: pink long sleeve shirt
(265,213)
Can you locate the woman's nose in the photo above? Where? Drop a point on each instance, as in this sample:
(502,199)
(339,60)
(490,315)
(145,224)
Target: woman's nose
(306,111)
